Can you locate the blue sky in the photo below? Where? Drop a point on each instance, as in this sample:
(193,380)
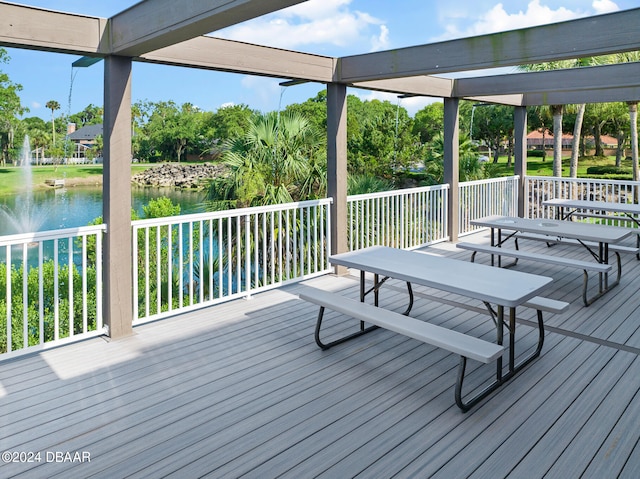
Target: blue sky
(326,27)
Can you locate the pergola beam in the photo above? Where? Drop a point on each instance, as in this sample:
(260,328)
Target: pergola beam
(226,55)
(39,29)
(586,37)
(623,75)
(589,96)
(420,86)
(154,24)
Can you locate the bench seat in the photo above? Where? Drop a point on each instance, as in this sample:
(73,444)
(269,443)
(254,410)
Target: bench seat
(464,345)
(585,266)
(467,347)
(452,341)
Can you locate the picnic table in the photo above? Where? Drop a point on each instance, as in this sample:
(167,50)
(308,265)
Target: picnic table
(585,234)
(565,209)
(498,289)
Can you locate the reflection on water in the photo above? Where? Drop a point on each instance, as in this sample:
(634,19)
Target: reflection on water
(71,207)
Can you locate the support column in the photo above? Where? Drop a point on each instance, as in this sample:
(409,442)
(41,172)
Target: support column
(520,153)
(116,201)
(337,166)
(451,164)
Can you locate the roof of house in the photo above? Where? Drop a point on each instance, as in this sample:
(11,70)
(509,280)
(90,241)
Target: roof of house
(88,132)
(537,135)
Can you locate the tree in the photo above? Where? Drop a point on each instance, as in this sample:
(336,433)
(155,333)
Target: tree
(53,106)
(10,107)
(170,133)
(493,124)
(230,122)
(469,166)
(429,121)
(633,116)
(556,110)
(91,115)
(380,138)
(314,110)
(269,164)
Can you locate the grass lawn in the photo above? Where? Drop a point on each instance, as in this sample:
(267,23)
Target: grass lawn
(539,167)
(12,179)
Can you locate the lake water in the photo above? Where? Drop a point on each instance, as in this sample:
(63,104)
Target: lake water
(53,209)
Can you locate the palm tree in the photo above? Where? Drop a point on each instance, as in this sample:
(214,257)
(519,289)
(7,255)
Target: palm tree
(53,106)
(557,112)
(469,164)
(269,164)
(633,114)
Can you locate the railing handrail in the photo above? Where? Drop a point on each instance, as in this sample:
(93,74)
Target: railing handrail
(489,180)
(22,238)
(582,180)
(163,221)
(404,191)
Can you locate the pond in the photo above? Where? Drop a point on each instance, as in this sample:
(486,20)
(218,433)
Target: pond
(45,210)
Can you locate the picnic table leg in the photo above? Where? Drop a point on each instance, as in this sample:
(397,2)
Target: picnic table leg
(323,345)
(377,283)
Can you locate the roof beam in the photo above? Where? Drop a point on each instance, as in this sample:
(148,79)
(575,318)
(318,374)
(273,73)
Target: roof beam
(154,24)
(610,33)
(621,75)
(604,95)
(210,53)
(420,86)
(38,29)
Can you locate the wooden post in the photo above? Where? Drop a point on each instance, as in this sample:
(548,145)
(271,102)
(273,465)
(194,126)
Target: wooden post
(337,166)
(116,202)
(451,164)
(520,153)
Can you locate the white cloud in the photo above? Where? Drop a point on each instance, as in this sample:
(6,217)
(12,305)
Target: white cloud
(380,42)
(315,22)
(605,6)
(498,19)
(262,93)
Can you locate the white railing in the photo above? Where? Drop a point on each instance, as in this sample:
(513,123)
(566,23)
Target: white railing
(50,288)
(408,218)
(541,188)
(187,262)
(495,196)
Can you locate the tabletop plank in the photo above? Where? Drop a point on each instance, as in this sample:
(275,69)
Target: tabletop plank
(629,208)
(556,228)
(504,287)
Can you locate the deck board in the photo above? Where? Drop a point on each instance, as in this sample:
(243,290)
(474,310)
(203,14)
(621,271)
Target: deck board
(241,390)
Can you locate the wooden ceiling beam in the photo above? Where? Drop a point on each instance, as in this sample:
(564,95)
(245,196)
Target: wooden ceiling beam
(585,37)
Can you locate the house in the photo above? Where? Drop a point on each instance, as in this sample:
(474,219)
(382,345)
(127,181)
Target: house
(536,139)
(84,138)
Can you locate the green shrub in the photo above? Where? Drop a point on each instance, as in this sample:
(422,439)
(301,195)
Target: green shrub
(536,153)
(608,170)
(48,306)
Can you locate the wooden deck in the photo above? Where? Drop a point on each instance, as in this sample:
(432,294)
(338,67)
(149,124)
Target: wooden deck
(241,390)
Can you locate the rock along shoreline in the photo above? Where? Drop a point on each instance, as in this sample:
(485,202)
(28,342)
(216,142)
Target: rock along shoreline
(178,175)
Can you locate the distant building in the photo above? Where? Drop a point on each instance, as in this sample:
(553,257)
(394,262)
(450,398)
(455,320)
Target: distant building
(536,138)
(84,138)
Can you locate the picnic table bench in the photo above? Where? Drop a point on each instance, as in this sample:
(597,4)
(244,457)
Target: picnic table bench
(504,288)
(596,239)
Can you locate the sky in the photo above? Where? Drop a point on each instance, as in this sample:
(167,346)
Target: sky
(325,27)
